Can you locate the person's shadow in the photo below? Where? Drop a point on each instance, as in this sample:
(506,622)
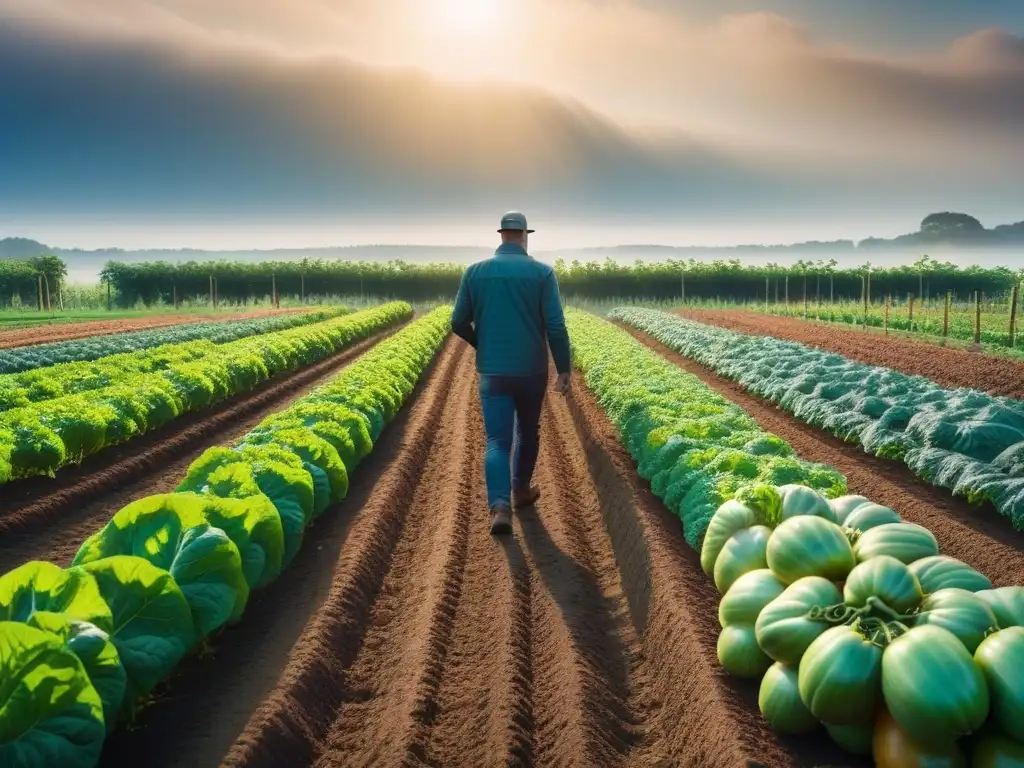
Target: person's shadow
(591,620)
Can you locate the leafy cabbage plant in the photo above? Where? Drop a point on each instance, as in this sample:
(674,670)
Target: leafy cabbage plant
(50,713)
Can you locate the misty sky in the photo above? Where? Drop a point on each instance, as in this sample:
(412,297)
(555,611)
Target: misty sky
(264,123)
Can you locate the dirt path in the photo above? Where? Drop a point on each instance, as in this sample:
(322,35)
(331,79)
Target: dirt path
(44,334)
(404,634)
(977,535)
(947,366)
(43,518)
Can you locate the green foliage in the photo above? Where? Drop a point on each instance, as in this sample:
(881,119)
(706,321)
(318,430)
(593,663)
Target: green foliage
(139,351)
(50,714)
(69,412)
(688,440)
(963,440)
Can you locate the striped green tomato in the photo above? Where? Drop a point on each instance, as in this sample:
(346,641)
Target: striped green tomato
(744,552)
(783,629)
(944,572)
(749,594)
(1007,603)
(839,676)
(1001,659)
(809,546)
(739,652)
(887,579)
(932,686)
(780,703)
(961,612)
(906,542)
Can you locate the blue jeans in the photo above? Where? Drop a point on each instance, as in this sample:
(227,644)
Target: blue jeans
(511,405)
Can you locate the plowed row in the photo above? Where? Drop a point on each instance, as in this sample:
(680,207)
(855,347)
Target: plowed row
(45,334)
(948,366)
(404,634)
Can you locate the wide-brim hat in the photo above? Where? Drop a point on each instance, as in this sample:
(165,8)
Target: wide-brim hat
(514,221)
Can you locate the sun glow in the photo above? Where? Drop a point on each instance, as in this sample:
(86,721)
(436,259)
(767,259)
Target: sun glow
(468,17)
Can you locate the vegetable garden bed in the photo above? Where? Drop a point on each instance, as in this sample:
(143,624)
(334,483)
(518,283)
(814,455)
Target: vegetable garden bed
(964,440)
(170,570)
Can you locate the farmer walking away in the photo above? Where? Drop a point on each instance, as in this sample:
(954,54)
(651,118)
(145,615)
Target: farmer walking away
(509,310)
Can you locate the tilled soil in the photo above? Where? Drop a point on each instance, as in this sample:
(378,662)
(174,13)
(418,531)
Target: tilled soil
(44,334)
(978,535)
(947,366)
(404,634)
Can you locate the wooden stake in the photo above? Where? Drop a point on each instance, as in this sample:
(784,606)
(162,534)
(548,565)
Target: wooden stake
(39,291)
(175,292)
(977,318)
(1014,298)
(910,302)
(945,319)
(887,300)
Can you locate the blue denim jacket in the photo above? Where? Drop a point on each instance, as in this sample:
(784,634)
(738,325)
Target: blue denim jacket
(508,308)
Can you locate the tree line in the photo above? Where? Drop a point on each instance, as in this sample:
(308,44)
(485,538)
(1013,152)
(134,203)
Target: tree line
(242,282)
(31,281)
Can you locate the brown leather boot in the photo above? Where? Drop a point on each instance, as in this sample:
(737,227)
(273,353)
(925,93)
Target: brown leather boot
(526,497)
(501,520)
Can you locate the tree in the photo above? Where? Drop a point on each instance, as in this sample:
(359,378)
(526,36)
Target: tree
(948,223)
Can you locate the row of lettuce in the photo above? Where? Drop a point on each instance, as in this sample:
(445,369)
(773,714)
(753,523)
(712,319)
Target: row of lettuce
(81,648)
(18,390)
(40,438)
(963,440)
(850,618)
(18,359)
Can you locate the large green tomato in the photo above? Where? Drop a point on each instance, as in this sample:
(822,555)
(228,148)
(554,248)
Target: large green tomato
(1007,603)
(892,747)
(730,518)
(932,686)
(855,739)
(840,675)
(809,546)
(748,595)
(783,629)
(739,653)
(961,612)
(844,505)
(994,749)
(780,703)
(1001,659)
(743,553)
(906,542)
(887,579)
(868,516)
(944,572)
(800,500)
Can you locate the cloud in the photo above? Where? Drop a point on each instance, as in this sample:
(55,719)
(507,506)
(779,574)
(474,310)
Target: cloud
(596,109)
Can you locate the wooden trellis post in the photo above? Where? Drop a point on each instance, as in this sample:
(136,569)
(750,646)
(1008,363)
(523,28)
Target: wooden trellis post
(1014,298)
(887,315)
(945,318)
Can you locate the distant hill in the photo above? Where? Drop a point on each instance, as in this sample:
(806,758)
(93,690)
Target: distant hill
(941,234)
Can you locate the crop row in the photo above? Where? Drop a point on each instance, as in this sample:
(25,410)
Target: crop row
(964,440)
(695,447)
(18,390)
(94,347)
(848,616)
(43,437)
(170,570)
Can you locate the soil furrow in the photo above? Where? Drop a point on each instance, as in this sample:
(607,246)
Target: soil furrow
(391,688)
(485,700)
(977,535)
(584,654)
(947,366)
(291,723)
(276,670)
(693,713)
(52,526)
